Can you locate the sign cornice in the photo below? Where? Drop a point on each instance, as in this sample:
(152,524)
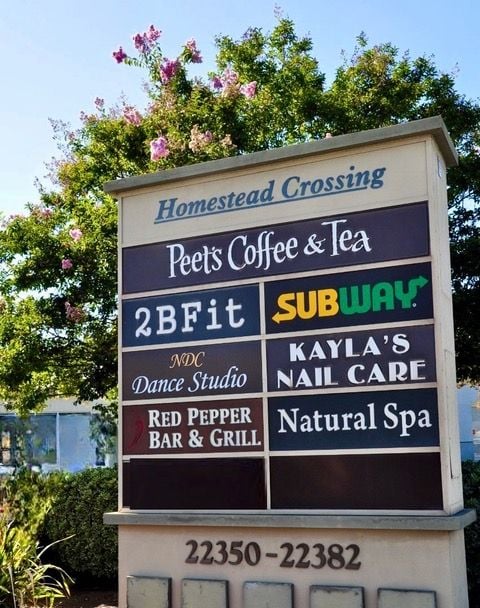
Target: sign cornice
(433,126)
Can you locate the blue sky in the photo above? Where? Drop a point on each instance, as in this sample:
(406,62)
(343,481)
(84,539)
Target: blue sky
(55,56)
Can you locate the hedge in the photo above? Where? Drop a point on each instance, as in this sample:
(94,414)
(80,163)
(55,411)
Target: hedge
(77,511)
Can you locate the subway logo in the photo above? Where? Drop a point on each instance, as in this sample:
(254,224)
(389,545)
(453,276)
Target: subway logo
(352,298)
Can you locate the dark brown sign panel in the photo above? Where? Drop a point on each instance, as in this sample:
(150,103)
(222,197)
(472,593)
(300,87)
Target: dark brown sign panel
(210,483)
(193,427)
(328,242)
(368,481)
(363,481)
(214,369)
(376,419)
(404,355)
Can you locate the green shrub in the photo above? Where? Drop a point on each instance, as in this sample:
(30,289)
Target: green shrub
(29,496)
(78,510)
(24,579)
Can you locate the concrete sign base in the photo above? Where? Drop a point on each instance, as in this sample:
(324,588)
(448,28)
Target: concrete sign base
(308,562)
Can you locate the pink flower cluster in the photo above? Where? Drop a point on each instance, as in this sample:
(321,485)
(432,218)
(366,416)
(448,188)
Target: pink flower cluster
(67,264)
(229,85)
(145,42)
(132,116)
(159,148)
(227,142)
(168,69)
(229,82)
(199,140)
(249,89)
(75,233)
(119,55)
(42,213)
(217,83)
(85,118)
(192,51)
(74,313)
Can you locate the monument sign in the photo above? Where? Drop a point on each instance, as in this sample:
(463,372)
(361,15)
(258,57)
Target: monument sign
(288,410)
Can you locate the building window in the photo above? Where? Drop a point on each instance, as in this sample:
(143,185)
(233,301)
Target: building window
(6,448)
(31,441)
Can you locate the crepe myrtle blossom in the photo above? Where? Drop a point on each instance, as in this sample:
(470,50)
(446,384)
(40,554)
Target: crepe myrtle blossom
(84,117)
(67,264)
(217,82)
(140,43)
(74,313)
(168,69)
(152,34)
(145,42)
(193,52)
(43,213)
(99,103)
(227,142)
(229,78)
(119,55)
(159,148)
(249,89)
(199,140)
(229,85)
(75,233)
(132,116)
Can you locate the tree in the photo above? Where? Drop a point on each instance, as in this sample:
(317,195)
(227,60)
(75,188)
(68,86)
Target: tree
(58,262)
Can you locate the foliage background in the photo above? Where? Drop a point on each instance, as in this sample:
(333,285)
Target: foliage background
(58,304)
(64,512)
(89,553)
(27,579)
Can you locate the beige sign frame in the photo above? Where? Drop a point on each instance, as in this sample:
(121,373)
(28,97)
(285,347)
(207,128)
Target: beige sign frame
(411,161)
